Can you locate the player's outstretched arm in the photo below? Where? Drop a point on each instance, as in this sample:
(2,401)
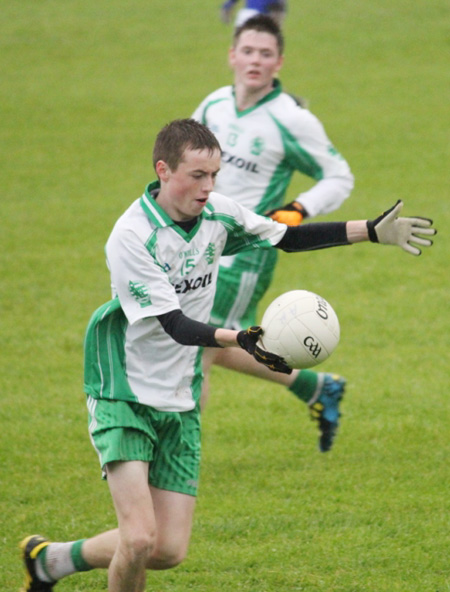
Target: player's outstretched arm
(387,229)
(390,229)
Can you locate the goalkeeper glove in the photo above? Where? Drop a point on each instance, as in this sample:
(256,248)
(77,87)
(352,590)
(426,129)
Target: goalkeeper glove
(389,229)
(248,340)
(291,214)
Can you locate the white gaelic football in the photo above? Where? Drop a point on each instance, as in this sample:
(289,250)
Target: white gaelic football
(302,327)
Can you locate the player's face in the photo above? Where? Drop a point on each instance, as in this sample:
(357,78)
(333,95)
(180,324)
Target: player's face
(255,60)
(185,191)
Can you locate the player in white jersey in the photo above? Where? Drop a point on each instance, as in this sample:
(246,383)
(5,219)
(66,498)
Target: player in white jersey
(266,137)
(168,267)
(143,351)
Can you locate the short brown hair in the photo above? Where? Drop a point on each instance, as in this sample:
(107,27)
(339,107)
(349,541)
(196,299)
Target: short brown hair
(180,135)
(262,24)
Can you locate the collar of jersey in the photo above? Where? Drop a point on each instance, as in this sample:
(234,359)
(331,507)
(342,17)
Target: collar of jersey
(271,95)
(161,219)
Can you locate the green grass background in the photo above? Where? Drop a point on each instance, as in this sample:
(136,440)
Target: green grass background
(84,88)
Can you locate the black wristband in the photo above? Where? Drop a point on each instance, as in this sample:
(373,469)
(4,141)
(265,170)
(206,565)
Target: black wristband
(371,231)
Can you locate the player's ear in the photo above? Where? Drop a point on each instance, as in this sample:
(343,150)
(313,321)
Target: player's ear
(231,56)
(162,170)
(280,63)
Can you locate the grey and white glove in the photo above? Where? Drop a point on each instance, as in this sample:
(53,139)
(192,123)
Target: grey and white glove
(389,229)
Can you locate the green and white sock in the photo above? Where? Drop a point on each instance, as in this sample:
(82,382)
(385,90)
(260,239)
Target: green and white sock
(59,560)
(305,385)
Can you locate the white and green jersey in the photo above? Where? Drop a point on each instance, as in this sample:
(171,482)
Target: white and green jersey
(157,267)
(263,146)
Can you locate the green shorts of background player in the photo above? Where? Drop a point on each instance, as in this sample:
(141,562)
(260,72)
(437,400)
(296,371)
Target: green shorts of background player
(240,287)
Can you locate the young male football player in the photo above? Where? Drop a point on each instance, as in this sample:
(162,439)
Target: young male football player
(266,137)
(143,353)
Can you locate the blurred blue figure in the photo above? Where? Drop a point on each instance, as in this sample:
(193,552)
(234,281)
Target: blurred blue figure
(273,8)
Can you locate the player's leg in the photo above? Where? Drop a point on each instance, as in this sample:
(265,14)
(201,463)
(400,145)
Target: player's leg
(163,516)
(128,484)
(321,391)
(125,551)
(239,360)
(174,516)
(99,550)
(174,475)
(209,356)
(47,562)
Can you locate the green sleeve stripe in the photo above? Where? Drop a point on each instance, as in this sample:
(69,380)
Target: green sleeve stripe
(276,189)
(297,157)
(238,238)
(150,245)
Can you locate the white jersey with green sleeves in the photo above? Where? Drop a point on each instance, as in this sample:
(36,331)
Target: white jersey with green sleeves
(157,267)
(263,146)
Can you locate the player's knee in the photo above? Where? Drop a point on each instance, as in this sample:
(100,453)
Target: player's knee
(168,556)
(173,559)
(138,547)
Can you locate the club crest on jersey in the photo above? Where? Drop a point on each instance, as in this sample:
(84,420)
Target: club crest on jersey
(210,253)
(140,293)
(257,146)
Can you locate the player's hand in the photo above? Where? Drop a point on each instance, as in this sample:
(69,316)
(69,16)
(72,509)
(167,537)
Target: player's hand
(272,361)
(291,214)
(389,229)
(248,340)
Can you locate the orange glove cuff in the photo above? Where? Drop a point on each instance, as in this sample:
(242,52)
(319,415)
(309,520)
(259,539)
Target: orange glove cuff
(290,218)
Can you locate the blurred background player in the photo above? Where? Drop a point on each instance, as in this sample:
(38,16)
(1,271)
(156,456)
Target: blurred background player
(276,9)
(265,137)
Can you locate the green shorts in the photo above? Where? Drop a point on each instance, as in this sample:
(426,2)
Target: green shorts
(168,441)
(241,287)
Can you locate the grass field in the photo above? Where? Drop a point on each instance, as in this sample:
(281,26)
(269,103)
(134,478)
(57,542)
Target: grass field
(84,88)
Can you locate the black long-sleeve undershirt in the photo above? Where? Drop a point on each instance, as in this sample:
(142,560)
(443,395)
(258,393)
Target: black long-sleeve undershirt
(313,236)
(187,331)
